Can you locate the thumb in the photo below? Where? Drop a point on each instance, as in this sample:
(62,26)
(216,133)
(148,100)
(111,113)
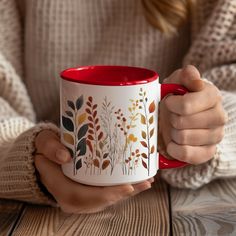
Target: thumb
(48,144)
(189,77)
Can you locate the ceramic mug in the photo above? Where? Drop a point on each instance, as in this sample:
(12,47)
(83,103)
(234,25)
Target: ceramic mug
(109,123)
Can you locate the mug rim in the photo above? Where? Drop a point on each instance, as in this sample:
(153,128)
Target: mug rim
(128,75)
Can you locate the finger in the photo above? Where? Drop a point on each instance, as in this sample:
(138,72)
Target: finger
(197,137)
(195,102)
(48,143)
(191,154)
(211,118)
(189,77)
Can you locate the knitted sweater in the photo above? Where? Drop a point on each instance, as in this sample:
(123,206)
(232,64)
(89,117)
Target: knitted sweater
(39,38)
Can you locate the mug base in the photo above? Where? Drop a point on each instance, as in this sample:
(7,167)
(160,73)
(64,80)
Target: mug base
(106,184)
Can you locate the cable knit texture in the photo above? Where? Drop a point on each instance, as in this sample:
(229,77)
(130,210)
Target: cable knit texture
(39,38)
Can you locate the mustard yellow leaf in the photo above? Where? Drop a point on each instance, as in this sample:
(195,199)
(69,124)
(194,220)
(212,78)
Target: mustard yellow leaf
(143,119)
(144,135)
(81,118)
(68,138)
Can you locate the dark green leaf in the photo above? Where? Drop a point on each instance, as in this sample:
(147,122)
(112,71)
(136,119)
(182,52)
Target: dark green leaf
(81,147)
(71,104)
(67,123)
(69,113)
(78,164)
(79,102)
(71,152)
(82,131)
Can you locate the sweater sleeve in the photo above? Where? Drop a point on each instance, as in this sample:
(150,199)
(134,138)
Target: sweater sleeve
(214,52)
(17,118)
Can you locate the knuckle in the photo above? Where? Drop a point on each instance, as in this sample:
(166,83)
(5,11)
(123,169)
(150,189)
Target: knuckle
(185,154)
(180,136)
(177,121)
(186,106)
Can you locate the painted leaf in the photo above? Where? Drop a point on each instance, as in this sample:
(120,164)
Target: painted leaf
(143,119)
(95,114)
(98,127)
(151,120)
(144,135)
(90,99)
(95,106)
(151,132)
(144,164)
(96,162)
(68,138)
(105,155)
(81,147)
(152,149)
(90,118)
(96,121)
(69,113)
(100,136)
(81,118)
(89,145)
(90,137)
(71,152)
(98,153)
(71,104)
(82,131)
(105,164)
(78,164)
(79,102)
(152,107)
(90,131)
(144,143)
(90,125)
(88,111)
(144,155)
(67,123)
(101,145)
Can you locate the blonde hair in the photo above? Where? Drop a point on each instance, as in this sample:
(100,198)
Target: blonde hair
(167,15)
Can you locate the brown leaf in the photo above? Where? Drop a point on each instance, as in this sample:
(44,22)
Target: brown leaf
(90,118)
(90,137)
(90,131)
(151,132)
(143,119)
(100,136)
(96,121)
(95,114)
(101,145)
(68,138)
(144,164)
(89,145)
(98,127)
(151,120)
(90,125)
(144,155)
(144,135)
(152,107)
(152,149)
(144,143)
(96,162)
(105,155)
(105,164)
(88,103)
(98,154)
(88,111)
(95,106)
(90,98)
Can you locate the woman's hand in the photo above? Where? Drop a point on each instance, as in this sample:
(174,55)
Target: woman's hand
(71,196)
(192,124)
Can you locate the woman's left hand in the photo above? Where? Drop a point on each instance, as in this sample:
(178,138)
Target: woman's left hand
(191,125)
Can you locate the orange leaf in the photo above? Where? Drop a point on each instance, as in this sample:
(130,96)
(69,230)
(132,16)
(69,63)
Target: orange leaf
(151,120)
(105,164)
(152,107)
(143,119)
(151,132)
(96,162)
(144,155)
(144,135)
(152,149)
(68,138)
(144,143)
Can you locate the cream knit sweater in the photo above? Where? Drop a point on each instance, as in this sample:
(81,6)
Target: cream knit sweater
(39,38)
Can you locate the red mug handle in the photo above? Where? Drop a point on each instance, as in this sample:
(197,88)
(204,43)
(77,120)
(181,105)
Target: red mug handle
(175,89)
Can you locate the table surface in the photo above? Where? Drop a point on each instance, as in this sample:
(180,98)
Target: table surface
(210,210)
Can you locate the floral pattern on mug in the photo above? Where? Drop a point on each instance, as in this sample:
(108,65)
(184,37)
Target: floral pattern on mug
(105,141)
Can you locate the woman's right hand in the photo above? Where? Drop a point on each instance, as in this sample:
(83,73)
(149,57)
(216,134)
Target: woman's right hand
(71,196)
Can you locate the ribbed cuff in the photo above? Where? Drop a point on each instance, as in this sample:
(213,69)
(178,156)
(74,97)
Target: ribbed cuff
(17,172)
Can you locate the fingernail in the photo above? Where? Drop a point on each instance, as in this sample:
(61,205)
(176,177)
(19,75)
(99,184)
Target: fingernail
(62,155)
